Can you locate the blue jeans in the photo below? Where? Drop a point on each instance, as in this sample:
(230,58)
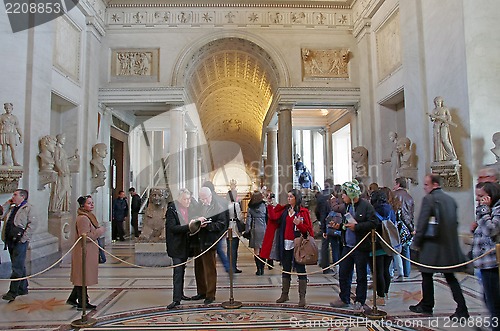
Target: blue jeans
(360,259)
(222,255)
(405,251)
(178,278)
(332,242)
(491,291)
(18,259)
(233,250)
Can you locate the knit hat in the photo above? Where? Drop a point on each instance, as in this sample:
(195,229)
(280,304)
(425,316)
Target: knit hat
(352,189)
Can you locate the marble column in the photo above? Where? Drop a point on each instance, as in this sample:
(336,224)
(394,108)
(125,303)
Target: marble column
(176,160)
(192,161)
(328,153)
(271,169)
(284,153)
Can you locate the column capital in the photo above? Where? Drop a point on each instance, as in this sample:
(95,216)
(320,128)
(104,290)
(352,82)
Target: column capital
(273,128)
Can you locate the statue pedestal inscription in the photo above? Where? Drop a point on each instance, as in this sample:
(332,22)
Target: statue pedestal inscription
(450,171)
(152,255)
(59,226)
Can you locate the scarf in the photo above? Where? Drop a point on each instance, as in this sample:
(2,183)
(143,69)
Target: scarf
(89,215)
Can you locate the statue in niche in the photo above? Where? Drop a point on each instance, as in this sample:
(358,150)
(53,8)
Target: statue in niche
(395,158)
(9,126)
(60,194)
(407,155)
(359,156)
(99,153)
(153,222)
(46,174)
(47,145)
(443,146)
(496,150)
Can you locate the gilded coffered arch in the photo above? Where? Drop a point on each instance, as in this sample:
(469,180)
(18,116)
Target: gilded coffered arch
(232,82)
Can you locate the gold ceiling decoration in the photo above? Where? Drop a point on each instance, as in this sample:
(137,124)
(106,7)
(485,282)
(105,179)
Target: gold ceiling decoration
(232,82)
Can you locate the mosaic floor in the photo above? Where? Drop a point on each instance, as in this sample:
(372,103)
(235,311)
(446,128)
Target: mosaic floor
(135,299)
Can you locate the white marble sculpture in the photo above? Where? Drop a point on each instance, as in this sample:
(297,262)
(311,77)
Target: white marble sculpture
(360,159)
(60,194)
(99,153)
(9,129)
(408,160)
(46,173)
(443,145)
(496,150)
(395,158)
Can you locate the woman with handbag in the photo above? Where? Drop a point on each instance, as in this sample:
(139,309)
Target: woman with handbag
(486,231)
(294,222)
(86,223)
(256,225)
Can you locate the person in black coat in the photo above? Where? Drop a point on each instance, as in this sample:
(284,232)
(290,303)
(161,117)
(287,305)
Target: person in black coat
(444,250)
(119,213)
(135,208)
(178,215)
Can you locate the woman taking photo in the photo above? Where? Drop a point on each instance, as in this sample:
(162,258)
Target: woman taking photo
(256,225)
(486,230)
(86,223)
(294,222)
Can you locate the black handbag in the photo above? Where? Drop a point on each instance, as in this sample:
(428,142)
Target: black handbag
(432,230)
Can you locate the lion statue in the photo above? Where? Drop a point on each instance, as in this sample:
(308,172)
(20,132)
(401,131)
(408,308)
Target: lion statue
(153,221)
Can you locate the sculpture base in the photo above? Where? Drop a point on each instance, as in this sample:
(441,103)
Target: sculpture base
(410,173)
(450,171)
(9,178)
(152,255)
(59,226)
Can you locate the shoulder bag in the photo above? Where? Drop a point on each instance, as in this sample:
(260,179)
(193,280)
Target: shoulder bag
(305,251)
(432,230)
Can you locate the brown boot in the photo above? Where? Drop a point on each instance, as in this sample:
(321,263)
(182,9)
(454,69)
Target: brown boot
(284,290)
(302,292)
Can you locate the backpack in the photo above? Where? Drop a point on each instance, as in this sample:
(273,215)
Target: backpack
(390,234)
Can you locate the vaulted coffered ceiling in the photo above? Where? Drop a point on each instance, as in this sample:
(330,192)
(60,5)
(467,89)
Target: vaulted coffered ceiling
(232,82)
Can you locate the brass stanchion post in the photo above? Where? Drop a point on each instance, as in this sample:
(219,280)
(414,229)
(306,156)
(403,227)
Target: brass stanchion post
(374,313)
(231,304)
(84,321)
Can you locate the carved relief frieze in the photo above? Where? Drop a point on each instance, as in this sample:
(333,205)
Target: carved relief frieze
(325,63)
(136,64)
(388,40)
(199,17)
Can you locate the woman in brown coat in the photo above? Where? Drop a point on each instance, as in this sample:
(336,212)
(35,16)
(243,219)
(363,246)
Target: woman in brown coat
(87,223)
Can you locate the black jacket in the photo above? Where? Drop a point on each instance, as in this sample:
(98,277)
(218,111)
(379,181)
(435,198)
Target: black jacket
(177,232)
(367,220)
(135,204)
(209,234)
(120,209)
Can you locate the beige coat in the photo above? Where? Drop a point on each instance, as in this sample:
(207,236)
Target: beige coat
(25,218)
(83,225)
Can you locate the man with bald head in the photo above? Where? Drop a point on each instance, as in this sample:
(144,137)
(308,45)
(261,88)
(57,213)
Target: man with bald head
(213,223)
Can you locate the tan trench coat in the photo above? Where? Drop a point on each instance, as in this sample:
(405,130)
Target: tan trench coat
(83,225)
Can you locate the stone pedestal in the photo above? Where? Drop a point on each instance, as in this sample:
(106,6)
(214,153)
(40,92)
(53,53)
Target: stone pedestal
(60,227)
(9,178)
(152,255)
(450,171)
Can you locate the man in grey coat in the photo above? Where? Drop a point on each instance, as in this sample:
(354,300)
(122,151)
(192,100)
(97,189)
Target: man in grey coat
(443,250)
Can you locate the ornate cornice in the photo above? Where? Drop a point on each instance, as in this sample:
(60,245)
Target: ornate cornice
(228,5)
(171,95)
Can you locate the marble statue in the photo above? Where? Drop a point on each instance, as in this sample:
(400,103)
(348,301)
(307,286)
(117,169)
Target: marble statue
(496,150)
(395,158)
(9,125)
(153,222)
(99,153)
(47,146)
(360,158)
(408,157)
(60,195)
(443,146)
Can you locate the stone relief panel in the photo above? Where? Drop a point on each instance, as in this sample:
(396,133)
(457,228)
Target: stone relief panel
(325,63)
(67,48)
(134,64)
(388,41)
(328,17)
